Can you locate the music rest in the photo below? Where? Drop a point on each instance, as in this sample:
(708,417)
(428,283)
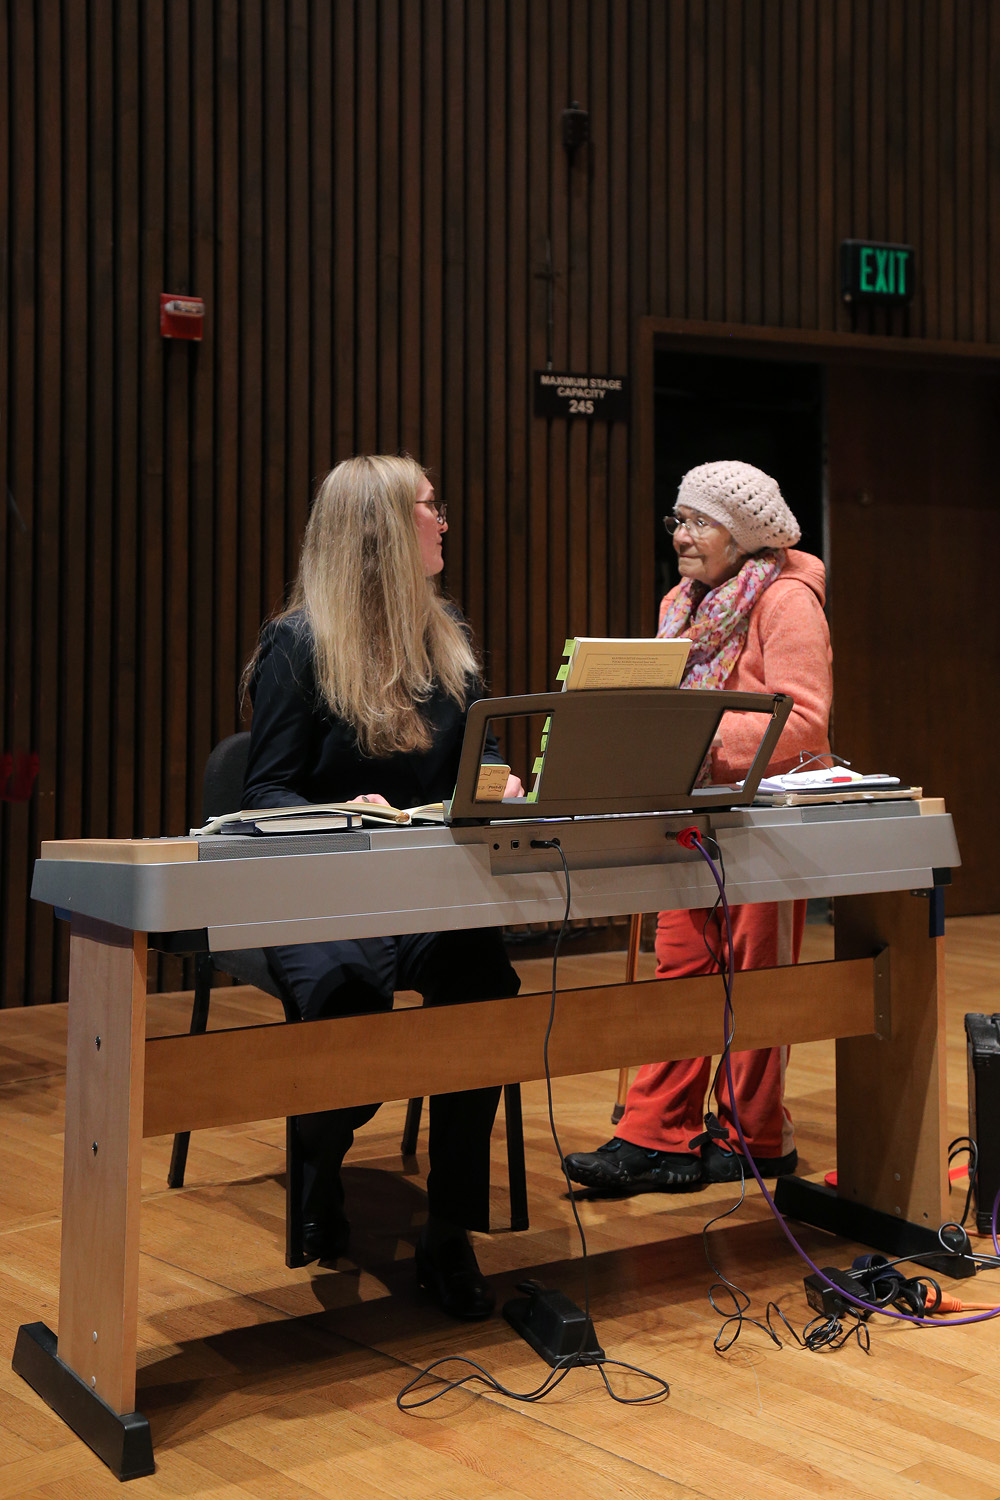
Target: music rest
(617,750)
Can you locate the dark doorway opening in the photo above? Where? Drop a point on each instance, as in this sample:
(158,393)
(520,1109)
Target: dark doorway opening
(766,412)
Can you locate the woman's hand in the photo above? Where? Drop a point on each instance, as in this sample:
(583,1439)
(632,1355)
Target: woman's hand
(374,797)
(513,787)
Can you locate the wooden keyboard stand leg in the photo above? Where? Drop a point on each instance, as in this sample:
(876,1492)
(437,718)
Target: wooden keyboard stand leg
(631,975)
(892,1175)
(88,1374)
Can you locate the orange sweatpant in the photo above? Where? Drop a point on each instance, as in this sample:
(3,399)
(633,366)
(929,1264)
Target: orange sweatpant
(666,1103)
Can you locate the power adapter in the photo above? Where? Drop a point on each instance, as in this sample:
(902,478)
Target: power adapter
(827,1300)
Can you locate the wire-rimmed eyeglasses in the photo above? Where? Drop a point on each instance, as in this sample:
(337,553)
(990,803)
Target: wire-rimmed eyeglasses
(694,525)
(440,511)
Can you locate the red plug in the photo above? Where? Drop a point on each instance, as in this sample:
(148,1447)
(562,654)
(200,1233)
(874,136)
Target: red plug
(689,838)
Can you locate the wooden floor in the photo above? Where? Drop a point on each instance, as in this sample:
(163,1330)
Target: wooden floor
(260,1381)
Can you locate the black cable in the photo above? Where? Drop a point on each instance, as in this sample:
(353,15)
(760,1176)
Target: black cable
(822,1332)
(965,1143)
(715,1132)
(981,1262)
(907,1299)
(739,1298)
(477,1373)
(568,1362)
(831,1333)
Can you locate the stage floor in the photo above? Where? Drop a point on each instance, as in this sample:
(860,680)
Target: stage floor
(260,1381)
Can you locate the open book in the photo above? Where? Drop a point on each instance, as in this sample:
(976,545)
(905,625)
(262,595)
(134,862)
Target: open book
(320,817)
(609,662)
(316,817)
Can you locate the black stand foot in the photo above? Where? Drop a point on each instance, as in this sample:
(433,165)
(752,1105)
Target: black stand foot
(122,1442)
(815,1203)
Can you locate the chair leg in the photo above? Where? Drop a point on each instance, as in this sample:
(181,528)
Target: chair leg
(515,1156)
(631,974)
(622,1096)
(178,1159)
(294,1254)
(199,1023)
(408,1145)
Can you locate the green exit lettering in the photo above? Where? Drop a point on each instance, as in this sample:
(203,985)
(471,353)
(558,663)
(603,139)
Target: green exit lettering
(901,259)
(883,271)
(876,271)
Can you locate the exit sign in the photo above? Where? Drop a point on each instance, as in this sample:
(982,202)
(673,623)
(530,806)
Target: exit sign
(873,272)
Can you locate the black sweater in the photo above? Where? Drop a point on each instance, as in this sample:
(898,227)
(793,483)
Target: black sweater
(300,752)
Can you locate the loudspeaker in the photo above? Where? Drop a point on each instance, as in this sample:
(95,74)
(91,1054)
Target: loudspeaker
(982,1035)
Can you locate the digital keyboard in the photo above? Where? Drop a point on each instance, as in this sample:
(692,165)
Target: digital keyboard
(247,891)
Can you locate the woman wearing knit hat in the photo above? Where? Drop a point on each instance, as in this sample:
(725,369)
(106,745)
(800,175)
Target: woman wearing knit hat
(753,610)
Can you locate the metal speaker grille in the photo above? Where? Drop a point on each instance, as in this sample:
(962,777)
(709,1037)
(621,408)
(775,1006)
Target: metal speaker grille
(257,846)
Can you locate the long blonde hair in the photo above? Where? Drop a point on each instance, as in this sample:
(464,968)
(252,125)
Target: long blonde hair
(382,636)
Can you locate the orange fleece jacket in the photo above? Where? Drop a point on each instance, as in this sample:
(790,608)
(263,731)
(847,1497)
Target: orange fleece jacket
(787,650)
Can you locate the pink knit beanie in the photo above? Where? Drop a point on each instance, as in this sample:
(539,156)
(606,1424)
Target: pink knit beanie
(743,499)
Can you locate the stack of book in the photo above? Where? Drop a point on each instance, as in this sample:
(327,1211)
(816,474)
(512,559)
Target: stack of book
(831,784)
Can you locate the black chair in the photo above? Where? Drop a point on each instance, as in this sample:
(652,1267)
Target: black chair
(222,792)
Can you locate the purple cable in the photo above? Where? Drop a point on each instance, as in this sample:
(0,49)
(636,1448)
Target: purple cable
(981,1317)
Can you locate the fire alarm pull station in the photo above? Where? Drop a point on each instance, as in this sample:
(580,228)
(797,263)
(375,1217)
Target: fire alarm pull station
(181,317)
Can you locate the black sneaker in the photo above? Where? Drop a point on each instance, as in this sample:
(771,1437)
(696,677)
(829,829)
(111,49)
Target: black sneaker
(725,1166)
(619,1164)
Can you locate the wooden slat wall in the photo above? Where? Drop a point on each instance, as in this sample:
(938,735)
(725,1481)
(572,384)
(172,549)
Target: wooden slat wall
(366,193)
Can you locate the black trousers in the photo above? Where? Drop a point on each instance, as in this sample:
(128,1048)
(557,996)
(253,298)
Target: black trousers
(357,977)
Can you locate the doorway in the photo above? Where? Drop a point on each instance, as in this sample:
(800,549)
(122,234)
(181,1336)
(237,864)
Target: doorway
(765,412)
(885,451)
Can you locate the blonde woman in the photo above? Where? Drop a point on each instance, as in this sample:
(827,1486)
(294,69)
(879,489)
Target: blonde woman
(360,689)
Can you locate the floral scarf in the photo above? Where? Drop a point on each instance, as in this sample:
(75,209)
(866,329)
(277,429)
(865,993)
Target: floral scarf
(716,620)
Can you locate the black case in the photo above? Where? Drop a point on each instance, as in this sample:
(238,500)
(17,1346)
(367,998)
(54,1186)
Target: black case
(982,1035)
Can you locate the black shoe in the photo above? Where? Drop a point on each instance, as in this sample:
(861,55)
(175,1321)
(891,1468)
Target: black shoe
(450,1272)
(324,1239)
(619,1164)
(725,1166)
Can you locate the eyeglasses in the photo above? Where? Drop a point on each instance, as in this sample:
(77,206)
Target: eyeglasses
(440,511)
(695,526)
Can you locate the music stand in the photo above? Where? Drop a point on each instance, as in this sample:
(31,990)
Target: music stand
(616,750)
